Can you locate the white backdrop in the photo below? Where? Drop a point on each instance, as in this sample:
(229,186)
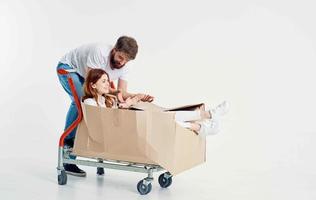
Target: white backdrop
(258,55)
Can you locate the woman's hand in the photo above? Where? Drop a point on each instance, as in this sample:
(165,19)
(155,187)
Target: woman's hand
(126,104)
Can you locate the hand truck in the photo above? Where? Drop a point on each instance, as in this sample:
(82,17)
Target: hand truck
(144,186)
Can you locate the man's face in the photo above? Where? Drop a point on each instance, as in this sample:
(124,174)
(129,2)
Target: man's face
(118,59)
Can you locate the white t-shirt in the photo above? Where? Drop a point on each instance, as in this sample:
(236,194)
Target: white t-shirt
(92,102)
(95,55)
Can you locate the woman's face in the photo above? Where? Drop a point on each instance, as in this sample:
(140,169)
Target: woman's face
(102,85)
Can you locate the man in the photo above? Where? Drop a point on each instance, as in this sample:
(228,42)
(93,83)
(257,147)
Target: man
(80,60)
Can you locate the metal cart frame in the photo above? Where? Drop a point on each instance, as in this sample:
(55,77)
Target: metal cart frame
(144,186)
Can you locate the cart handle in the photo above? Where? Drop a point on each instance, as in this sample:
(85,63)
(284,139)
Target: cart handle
(77,101)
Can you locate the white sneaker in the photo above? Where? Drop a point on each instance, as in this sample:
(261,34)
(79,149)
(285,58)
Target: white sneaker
(220,110)
(208,127)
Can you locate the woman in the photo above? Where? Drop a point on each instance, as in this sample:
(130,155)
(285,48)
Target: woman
(96,93)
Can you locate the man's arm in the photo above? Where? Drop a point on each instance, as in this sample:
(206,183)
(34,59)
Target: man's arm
(122,86)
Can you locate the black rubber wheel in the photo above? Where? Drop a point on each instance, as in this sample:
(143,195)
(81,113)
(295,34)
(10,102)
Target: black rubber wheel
(142,188)
(100,170)
(62,178)
(164,182)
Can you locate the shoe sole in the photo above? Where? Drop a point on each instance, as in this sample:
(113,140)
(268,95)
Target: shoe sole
(76,174)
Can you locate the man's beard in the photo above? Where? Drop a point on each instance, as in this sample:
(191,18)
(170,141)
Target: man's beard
(114,63)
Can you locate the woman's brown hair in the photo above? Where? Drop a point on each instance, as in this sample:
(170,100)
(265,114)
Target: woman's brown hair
(93,76)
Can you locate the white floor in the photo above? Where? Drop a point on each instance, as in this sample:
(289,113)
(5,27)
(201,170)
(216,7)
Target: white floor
(232,171)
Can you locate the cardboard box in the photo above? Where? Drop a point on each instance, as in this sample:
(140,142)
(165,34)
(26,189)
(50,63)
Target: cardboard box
(146,134)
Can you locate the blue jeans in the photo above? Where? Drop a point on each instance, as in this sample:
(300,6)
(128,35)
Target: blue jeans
(72,112)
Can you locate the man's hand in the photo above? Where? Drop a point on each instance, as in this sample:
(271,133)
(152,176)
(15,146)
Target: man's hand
(135,99)
(146,97)
(118,93)
(120,96)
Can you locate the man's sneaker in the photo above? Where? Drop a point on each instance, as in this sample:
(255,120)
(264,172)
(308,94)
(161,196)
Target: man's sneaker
(208,127)
(69,142)
(74,170)
(220,110)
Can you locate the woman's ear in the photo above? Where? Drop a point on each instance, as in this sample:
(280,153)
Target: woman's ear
(93,85)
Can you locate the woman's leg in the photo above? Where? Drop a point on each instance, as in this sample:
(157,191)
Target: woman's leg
(202,128)
(185,116)
(200,121)
(198,114)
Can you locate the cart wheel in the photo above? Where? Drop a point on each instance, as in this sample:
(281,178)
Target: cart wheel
(62,178)
(100,170)
(163,181)
(143,188)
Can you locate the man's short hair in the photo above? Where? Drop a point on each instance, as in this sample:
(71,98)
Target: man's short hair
(127,45)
